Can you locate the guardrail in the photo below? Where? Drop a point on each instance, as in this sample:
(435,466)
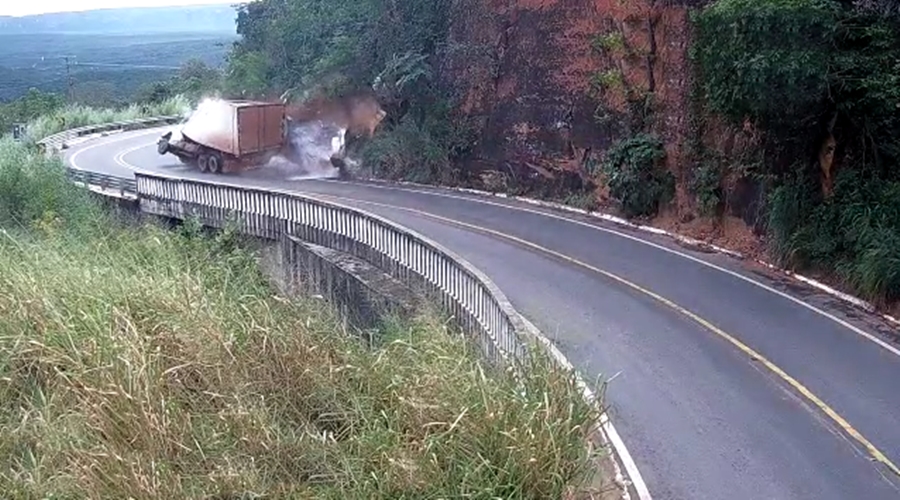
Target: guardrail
(55,142)
(103,183)
(480,308)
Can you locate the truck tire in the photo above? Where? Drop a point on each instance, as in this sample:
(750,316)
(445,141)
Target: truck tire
(203,162)
(214,163)
(162,147)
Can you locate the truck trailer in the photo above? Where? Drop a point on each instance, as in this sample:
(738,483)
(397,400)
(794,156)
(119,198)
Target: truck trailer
(228,135)
(222,136)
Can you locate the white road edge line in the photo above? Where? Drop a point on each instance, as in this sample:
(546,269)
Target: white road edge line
(734,274)
(609,431)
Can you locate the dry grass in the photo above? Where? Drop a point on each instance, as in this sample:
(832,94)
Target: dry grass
(137,362)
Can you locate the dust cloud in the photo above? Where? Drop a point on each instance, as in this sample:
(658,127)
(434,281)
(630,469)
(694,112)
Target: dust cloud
(316,132)
(312,146)
(211,117)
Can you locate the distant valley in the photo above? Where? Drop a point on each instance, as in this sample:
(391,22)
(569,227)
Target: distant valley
(111,53)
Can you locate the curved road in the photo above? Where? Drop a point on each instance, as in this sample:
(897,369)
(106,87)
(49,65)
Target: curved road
(731,383)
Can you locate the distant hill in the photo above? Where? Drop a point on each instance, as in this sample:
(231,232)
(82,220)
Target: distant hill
(151,20)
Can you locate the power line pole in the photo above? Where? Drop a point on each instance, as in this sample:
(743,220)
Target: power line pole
(70,82)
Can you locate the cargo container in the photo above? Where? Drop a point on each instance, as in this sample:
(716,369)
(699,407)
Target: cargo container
(227,135)
(222,136)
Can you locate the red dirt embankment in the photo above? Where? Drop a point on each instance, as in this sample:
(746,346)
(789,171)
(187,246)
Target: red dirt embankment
(553,83)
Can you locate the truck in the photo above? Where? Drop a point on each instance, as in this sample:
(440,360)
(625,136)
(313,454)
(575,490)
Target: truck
(222,136)
(227,135)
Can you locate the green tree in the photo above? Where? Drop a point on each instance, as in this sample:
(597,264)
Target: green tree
(805,71)
(247,74)
(28,107)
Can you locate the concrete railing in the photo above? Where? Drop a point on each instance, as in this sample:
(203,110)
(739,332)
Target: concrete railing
(105,184)
(480,309)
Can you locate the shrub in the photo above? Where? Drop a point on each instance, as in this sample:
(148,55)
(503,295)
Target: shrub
(75,116)
(34,190)
(706,185)
(855,233)
(766,59)
(407,152)
(420,150)
(635,176)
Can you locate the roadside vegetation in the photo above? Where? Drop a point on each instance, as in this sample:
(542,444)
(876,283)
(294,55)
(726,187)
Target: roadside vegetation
(45,114)
(821,80)
(138,361)
(817,80)
(811,85)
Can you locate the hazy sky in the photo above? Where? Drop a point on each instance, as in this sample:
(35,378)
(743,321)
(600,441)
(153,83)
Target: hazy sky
(27,7)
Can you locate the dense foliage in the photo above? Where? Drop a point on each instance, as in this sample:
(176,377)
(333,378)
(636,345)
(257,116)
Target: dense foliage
(32,105)
(636,176)
(393,48)
(43,114)
(807,72)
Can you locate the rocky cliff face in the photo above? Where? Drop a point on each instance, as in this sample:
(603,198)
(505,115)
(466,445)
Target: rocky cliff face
(531,72)
(552,83)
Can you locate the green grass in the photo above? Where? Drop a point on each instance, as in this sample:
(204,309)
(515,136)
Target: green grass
(35,193)
(139,362)
(75,116)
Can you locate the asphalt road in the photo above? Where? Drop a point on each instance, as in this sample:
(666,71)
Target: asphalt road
(702,416)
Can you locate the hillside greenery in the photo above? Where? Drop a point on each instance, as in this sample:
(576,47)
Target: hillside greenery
(44,114)
(138,361)
(394,49)
(804,72)
(800,71)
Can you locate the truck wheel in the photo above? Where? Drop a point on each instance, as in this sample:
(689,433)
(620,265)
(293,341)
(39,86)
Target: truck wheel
(162,147)
(203,162)
(215,163)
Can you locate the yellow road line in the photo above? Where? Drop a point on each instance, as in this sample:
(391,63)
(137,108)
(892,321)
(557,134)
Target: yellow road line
(874,452)
(106,141)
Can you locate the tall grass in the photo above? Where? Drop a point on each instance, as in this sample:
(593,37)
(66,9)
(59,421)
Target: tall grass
(137,362)
(854,235)
(74,116)
(34,191)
